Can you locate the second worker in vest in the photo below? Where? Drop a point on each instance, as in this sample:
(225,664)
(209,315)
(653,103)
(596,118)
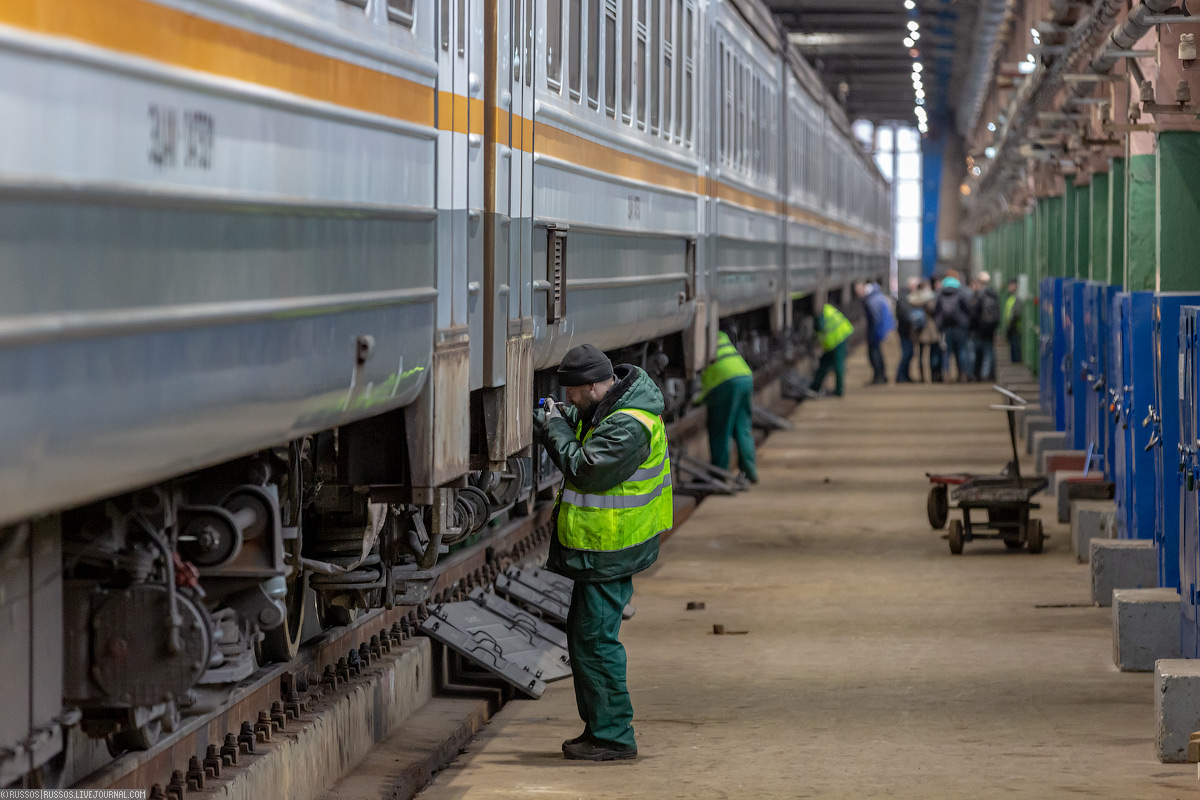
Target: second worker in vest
(611,447)
(833,330)
(727,388)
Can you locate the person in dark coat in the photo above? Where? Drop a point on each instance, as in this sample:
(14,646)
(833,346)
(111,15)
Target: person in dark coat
(909,322)
(985,320)
(952,313)
(880,322)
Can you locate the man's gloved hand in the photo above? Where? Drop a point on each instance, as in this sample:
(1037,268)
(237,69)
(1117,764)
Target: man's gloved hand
(544,415)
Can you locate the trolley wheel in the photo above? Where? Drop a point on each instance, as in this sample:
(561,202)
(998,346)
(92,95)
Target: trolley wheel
(1036,540)
(1013,543)
(956,536)
(938,506)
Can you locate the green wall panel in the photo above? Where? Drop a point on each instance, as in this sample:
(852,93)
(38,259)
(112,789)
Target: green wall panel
(1116,222)
(1178,211)
(1141,219)
(1098,255)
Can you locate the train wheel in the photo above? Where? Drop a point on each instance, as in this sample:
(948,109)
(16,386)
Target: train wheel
(142,738)
(956,536)
(282,643)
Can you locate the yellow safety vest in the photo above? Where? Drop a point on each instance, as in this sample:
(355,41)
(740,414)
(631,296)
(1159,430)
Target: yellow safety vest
(835,328)
(728,364)
(631,512)
(1009,302)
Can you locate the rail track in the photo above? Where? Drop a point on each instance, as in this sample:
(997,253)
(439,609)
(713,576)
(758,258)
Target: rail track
(232,724)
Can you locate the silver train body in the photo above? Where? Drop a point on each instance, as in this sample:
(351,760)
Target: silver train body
(280,279)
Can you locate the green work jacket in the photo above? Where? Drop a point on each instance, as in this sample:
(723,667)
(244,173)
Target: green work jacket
(598,453)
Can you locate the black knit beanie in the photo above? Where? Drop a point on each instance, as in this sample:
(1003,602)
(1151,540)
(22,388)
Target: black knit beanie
(582,365)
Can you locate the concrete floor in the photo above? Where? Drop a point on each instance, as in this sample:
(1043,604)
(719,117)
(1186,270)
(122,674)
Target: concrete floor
(875,664)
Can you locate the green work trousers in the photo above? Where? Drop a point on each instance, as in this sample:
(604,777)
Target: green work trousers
(834,359)
(598,660)
(730,414)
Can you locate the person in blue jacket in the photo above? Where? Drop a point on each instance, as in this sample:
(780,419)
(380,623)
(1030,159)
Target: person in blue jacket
(880,322)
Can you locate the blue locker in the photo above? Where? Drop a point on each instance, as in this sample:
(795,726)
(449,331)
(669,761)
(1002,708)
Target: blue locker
(1104,419)
(1164,418)
(1076,384)
(1092,364)
(1132,399)
(1189,509)
(1118,381)
(1053,350)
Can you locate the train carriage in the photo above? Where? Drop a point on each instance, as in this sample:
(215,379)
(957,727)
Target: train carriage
(281,279)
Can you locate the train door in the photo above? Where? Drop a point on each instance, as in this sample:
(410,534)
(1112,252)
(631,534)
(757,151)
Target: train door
(507,342)
(473,63)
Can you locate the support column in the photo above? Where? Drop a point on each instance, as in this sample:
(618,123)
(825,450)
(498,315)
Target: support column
(1032,269)
(1098,261)
(1083,231)
(1141,221)
(1055,237)
(1116,222)
(1069,229)
(1178,228)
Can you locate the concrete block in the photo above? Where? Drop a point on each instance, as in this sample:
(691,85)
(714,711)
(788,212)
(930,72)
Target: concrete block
(1088,522)
(1176,706)
(1058,479)
(1121,564)
(1145,628)
(1032,425)
(1047,440)
(1066,456)
(1080,488)
(1055,460)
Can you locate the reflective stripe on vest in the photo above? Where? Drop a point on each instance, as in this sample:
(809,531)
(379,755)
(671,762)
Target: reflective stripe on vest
(835,328)
(728,364)
(1009,302)
(633,512)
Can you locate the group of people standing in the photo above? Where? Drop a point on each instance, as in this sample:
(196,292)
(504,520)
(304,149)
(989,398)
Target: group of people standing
(938,322)
(953,322)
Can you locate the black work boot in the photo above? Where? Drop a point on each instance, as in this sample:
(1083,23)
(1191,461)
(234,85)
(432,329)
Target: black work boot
(583,737)
(593,751)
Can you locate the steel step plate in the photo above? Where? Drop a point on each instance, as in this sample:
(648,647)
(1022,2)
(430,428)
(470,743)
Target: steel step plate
(506,641)
(543,591)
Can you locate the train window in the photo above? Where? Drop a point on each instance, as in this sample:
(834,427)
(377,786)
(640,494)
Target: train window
(575,63)
(668,66)
(461,27)
(593,75)
(641,63)
(689,36)
(527,30)
(742,116)
(655,61)
(721,102)
(610,58)
(554,43)
(627,59)
(400,11)
(444,24)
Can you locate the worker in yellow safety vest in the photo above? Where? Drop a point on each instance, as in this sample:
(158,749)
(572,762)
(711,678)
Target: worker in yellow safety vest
(611,447)
(833,331)
(727,388)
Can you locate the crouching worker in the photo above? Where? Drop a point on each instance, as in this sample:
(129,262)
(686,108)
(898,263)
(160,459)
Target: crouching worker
(727,388)
(833,329)
(611,446)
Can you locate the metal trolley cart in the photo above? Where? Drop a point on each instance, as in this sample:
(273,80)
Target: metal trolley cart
(1007,498)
